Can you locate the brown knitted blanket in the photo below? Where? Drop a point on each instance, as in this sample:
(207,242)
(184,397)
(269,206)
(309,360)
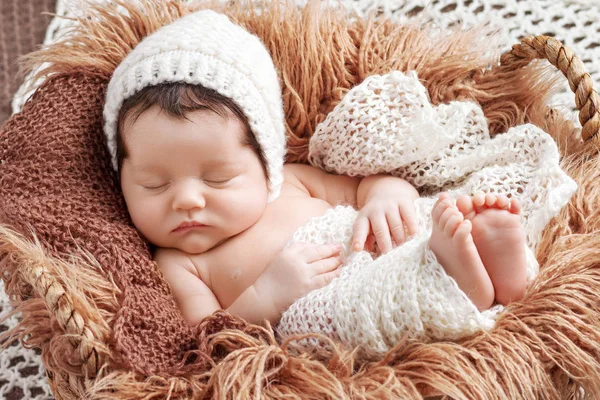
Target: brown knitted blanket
(56,179)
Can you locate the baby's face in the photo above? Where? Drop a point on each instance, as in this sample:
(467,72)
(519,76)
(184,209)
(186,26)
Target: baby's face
(191,171)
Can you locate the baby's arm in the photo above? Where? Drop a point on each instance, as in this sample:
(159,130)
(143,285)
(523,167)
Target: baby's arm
(334,189)
(194,297)
(297,270)
(384,186)
(385,201)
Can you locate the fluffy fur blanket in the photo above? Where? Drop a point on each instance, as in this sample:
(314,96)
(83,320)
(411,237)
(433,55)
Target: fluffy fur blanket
(101,312)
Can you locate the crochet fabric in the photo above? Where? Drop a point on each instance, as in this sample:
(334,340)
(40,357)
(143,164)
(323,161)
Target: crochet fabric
(387,125)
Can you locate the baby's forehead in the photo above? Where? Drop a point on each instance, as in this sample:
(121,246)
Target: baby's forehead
(207,163)
(222,127)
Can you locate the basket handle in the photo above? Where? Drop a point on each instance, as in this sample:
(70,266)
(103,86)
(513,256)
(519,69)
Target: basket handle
(563,58)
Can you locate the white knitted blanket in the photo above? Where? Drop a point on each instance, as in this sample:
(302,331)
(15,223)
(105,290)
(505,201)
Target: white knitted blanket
(387,125)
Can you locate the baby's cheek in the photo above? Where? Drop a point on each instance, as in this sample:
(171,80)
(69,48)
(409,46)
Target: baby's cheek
(147,218)
(250,202)
(247,213)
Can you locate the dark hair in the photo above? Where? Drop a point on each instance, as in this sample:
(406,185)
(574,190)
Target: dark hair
(177,99)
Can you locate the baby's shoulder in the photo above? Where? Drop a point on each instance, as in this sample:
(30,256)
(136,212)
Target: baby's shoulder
(295,169)
(298,175)
(332,188)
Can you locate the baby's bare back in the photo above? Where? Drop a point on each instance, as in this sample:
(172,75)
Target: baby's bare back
(233,266)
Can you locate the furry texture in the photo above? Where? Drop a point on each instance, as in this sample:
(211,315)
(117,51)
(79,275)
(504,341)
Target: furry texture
(76,307)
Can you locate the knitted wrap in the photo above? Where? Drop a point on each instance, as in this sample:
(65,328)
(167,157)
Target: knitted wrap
(206,48)
(387,125)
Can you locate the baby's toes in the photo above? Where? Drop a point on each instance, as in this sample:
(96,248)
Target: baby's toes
(463,231)
(479,202)
(482,202)
(448,213)
(515,206)
(441,197)
(444,196)
(502,202)
(465,206)
(439,208)
(453,223)
(490,200)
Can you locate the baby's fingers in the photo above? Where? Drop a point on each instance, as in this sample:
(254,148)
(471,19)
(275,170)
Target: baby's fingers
(396,227)
(410,219)
(326,265)
(315,253)
(325,279)
(370,243)
(361,231)
(381,230)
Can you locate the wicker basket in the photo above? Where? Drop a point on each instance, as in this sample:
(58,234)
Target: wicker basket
(46,285)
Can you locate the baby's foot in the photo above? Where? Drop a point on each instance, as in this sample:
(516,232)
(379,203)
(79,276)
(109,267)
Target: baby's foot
(500,240)
(453,245)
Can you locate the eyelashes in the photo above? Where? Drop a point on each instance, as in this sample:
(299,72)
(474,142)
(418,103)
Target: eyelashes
(218,182)
(207,181)
(155,187)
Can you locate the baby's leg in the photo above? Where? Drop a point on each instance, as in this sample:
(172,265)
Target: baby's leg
(500,240)
(453,245)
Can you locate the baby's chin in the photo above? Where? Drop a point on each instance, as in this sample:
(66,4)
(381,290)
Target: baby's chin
(198,246)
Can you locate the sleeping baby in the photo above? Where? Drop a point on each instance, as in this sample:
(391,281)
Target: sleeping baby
(195,127)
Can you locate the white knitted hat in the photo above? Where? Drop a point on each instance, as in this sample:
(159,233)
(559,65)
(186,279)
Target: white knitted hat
(206,48)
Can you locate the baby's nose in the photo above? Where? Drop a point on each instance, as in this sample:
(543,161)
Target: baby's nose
(189,196)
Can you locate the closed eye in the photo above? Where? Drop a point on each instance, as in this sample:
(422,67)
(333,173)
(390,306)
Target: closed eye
(155,187)
(217,182)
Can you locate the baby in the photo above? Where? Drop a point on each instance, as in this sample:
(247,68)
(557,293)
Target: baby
(195,127)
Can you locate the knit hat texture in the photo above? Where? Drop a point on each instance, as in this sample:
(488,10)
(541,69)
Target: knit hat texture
(207,49)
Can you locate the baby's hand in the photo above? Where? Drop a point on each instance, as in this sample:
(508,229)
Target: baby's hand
(384,219)
(297,270)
